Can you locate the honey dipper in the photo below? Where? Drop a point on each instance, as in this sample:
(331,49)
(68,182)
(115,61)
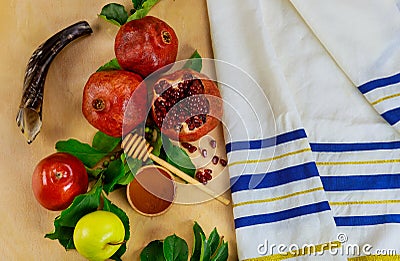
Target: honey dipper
(135,146)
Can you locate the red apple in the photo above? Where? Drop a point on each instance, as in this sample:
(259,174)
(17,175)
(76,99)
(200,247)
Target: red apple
(58,179)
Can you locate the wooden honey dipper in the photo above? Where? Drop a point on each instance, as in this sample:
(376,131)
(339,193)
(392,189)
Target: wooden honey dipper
(135,146)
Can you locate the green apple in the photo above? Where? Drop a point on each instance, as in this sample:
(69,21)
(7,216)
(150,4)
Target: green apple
(98,235)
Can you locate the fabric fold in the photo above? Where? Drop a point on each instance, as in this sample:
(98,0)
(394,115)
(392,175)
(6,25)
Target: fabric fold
(364,39)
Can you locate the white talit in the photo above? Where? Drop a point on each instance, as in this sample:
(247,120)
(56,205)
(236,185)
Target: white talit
(327,170)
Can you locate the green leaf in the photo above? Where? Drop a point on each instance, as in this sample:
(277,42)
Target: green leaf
(114,13)
(178,157)
(113,174)
(137,4)
(197,232)
(117,255)
(213,240)
(153,251)
(205,253)
(130,168)
(134,165)
(194,62)
(104,143)
(109,206)
(222,253)
(64,235)
(175,249)
(157,146)
(110,66)
(143,10)
(64,224)
(95,172)
(156,139)
(81,205)
(83,151)
(126,179)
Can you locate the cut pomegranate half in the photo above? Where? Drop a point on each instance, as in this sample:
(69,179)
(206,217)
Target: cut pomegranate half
(186,105)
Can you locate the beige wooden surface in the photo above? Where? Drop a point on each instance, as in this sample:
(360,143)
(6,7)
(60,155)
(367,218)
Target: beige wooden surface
(24,25)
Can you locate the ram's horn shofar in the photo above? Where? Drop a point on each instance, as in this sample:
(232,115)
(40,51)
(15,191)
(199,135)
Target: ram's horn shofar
(29,117)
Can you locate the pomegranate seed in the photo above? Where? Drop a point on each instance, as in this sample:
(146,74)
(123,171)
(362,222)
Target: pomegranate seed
(186,145)
(207,176)
(158,88)
(215,160)
(208,171)
(213,144)
(202,177)
(223,162)
(192,149)
(204,153)
(189,147)
(199,174)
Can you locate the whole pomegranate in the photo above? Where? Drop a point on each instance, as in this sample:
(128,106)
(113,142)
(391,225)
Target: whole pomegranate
(186,105)
(58,179)
(145,45)
(106,97)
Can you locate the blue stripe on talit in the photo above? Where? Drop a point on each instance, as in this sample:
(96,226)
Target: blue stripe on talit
(367,220)
(281,215)
(361,182)
(378,83)
(347,147)
(392,116)
(265,143)
(274,178)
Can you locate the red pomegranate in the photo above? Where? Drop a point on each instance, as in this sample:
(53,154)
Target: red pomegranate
(106,97)
(145,45)
(186,105)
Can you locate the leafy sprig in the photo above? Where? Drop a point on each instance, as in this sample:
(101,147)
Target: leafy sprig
(174,248)
(212,249)
(116,13)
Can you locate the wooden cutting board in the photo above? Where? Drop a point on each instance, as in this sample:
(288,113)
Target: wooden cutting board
(24,26)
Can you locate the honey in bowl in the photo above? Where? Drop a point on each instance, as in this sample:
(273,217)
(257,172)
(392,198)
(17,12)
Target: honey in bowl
(152,191)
